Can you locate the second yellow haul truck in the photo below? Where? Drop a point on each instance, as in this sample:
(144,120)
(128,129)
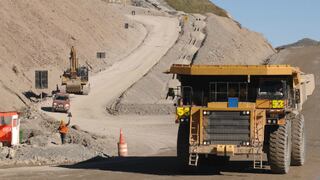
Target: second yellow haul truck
(232,110)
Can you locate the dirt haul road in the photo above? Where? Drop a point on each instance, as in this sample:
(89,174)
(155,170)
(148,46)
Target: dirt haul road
(89,112)
(160,167)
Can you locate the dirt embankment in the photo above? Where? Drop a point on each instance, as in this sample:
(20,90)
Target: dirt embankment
(307,58)
(37,35)
(149,95)
(41,143)
(206,40)
(301,43)
(228,42)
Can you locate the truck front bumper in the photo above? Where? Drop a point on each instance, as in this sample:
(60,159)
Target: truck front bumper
(225,150)
(60,108)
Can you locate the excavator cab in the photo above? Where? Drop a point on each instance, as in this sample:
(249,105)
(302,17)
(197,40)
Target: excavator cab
(83,73)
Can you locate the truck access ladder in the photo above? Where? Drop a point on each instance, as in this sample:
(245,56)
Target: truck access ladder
(258,144)
(193,159)
(194,140)
(194,132)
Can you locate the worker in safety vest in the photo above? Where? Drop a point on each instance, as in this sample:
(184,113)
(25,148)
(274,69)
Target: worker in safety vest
(63,129)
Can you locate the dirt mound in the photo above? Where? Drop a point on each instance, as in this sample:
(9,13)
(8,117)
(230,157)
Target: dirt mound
(41,144)
(216,40)
(229,43)
(301,43)
(37,35)
(150,94)
(308,59)
(197,6)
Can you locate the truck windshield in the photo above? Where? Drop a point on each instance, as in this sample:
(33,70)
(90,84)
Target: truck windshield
(61,98)
(214,92)
(271,90)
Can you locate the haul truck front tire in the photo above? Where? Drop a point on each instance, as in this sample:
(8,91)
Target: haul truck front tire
(280,149)
(298,141)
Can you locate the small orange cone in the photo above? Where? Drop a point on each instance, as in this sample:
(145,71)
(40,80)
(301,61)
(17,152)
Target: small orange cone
(122,146)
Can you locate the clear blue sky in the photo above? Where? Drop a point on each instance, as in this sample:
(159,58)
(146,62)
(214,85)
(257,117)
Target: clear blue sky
(280,21)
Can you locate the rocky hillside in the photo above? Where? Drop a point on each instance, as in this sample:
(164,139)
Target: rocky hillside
(197,6)
(38,34)
(210,39)
(227,42)
(307,58)
(301,43)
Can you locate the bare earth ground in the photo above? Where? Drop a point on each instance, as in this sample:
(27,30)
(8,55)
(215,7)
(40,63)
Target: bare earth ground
(89,112)
(164,165)
(153,87)
(146,134)
(38,35)
(210,40)
(228,42)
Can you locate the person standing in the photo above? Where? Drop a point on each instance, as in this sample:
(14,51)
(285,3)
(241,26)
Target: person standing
(63,130)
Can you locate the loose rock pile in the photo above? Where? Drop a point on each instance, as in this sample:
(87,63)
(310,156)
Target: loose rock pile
(41,144)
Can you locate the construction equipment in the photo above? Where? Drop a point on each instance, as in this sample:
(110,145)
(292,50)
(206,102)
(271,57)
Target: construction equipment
(75,79)
(232,110)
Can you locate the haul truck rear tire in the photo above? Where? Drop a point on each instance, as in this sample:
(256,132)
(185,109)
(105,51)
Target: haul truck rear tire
(280,149)
(298,141)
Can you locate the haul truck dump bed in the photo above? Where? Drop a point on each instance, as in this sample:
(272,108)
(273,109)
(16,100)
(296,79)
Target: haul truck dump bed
(231,110)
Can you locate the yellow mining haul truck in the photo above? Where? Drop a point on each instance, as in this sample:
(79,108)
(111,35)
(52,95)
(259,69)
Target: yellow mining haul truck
(232,110)
(75,79)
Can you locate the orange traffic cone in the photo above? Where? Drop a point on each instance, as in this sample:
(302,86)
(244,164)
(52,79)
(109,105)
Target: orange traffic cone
(122,146)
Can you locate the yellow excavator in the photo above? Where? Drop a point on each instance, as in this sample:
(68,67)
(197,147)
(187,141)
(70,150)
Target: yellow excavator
(75,79)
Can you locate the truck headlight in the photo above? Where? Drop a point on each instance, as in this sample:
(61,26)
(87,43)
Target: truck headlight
(246,112)
(206,112)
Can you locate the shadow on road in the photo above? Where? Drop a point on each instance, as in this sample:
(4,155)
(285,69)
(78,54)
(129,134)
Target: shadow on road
(162,165)
(33,97)
(47,109)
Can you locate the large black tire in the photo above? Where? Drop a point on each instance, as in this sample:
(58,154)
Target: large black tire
(183,148)
(280,149)
(298,153)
